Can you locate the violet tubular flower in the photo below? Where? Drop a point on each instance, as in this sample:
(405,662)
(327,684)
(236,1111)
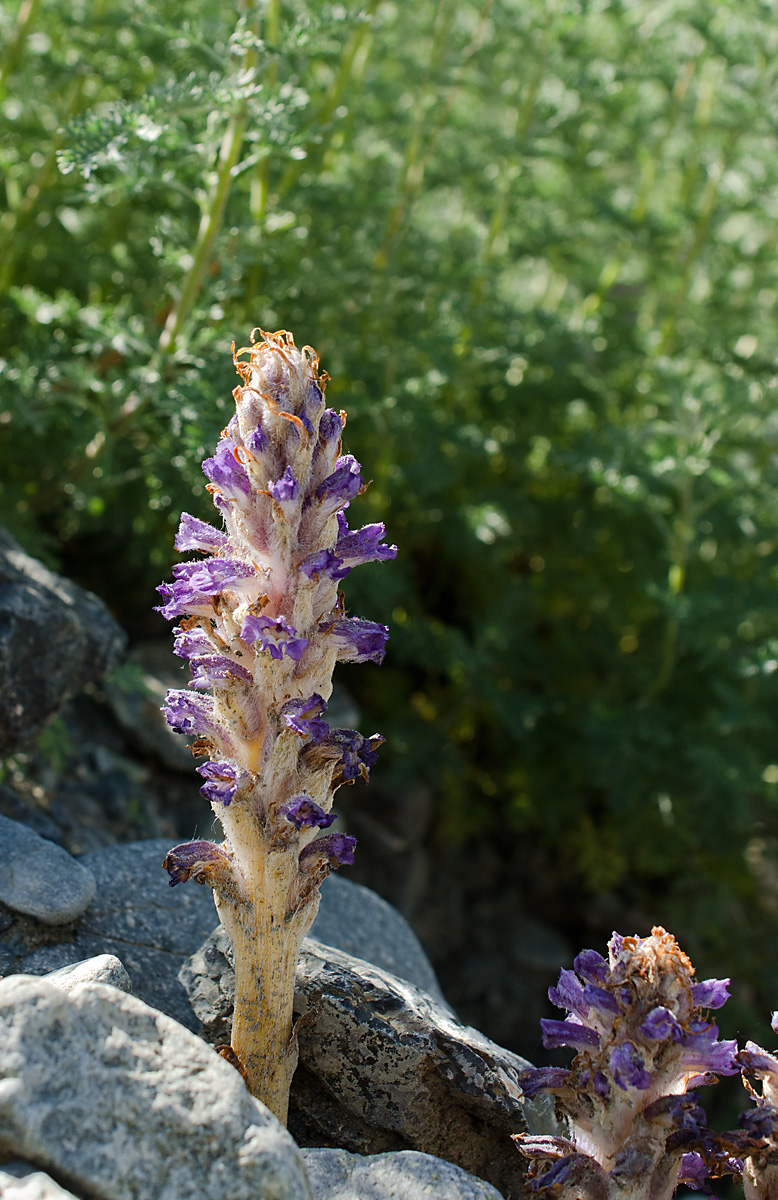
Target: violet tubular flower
(262,626)
(634,1129)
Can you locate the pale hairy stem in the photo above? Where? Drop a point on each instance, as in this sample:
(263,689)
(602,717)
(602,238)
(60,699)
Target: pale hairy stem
(266,941)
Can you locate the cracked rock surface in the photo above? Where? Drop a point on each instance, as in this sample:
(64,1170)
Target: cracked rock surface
(118,1102)
(405,1175)
(383,1067)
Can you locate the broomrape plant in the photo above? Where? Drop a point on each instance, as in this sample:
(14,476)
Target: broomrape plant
(645,1044)
(262,625)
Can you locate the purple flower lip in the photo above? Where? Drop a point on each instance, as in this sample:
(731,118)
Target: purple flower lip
(194,860)
(541,1079)
(195,583)
(223,781)
(194,534)
(628,1068)
(355,547)
(569,993)
(661,1024)
(324,562)
(275,635)
(227,474)
(214,670)
(355,754)
(285,489)
(190,714)
(336,849)
(711,993)
(591,967)
(568,1033)
(356,640)
(305,813)
(340,488)
(303,716)
(703,1052)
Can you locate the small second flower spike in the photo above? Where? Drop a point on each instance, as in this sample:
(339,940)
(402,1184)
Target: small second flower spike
(760,1171)
(645,1042)
(262,624)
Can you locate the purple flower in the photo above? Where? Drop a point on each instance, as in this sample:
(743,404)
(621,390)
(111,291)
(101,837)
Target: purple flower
(568,1033)
(340,488)
(275,635)
(355,754)
(703,1051)
(223,781)
(215,670)
(330,427)
(361,545)
(337,849)
(285,489)
(357,640)
(600,999)
(191,642)
(190,714)
(194,534)
(324,562)
(194,860)
(591,966)
(226,473)
(196,582)
(660,1024)
(628,1068)
(304,812)
(539,1079)
(303,716)
(693,1172)
(711,993)
(569,993)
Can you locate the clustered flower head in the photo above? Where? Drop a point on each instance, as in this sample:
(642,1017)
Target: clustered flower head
(645,1043)
(262,623)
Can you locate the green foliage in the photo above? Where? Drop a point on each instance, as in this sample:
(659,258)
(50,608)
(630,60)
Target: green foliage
(534,243)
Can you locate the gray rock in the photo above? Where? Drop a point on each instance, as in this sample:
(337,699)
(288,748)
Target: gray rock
(118,1101)
(105,968)
(404,1175)
(23,1181)
(356,920)
(54,638)
(136,699)
(383,1067)
(151,927)
(39,878)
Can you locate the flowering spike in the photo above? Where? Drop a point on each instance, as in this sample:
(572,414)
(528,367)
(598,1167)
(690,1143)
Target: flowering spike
(262,625)
(634,1127)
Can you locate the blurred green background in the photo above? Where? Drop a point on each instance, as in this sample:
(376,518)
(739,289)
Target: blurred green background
(534,243)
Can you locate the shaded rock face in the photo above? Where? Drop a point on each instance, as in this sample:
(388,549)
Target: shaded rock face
(405,1175)
(119,1102)
(54,638)
(382,1066)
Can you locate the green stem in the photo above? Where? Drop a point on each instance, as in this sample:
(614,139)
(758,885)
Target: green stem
(331,101)
(15,47)
(416,162)
(210,224)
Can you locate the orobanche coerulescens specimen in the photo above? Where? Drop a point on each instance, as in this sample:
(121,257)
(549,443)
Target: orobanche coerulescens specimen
(646,1044)
(262,624)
